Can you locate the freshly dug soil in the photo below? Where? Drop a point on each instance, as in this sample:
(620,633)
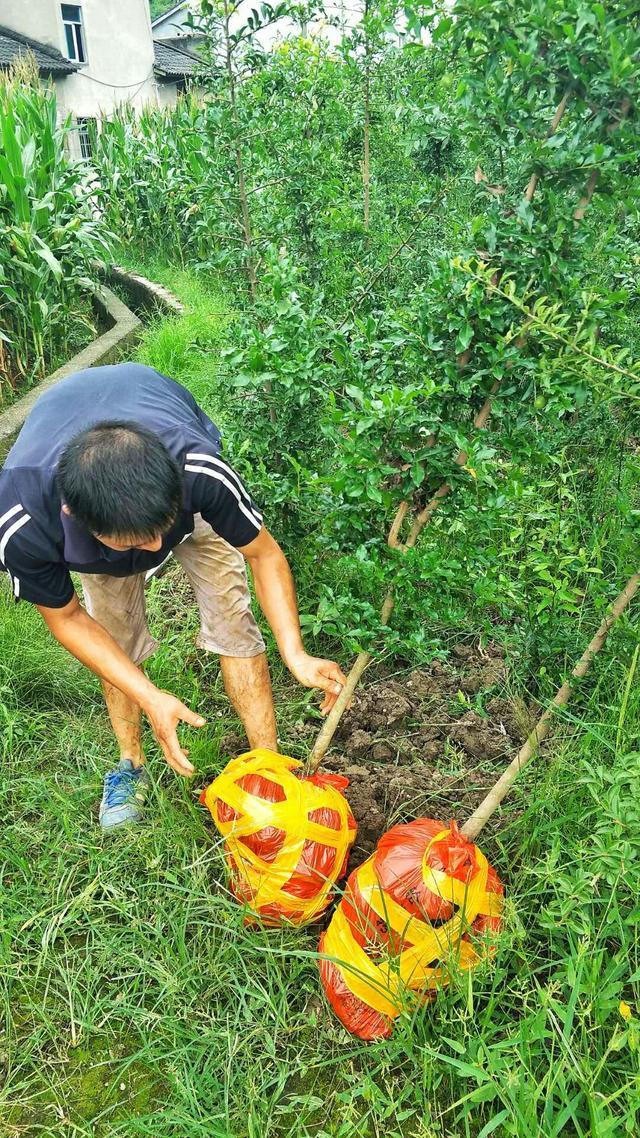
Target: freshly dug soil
(428,745)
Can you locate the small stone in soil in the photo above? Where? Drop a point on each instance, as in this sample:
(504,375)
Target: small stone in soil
(382,752)
(359,743)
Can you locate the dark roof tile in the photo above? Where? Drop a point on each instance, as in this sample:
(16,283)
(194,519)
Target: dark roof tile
(172,62)
(50,61)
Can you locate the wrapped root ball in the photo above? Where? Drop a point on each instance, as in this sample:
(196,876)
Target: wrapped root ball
(426,902)
(287,838)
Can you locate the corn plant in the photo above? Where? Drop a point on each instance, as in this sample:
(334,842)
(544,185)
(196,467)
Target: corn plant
(49,240)
(155,168)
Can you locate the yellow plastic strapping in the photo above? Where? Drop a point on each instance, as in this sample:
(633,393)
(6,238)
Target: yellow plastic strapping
(265,880)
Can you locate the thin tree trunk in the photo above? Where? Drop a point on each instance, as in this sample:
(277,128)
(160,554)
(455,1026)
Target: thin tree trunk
(555,123)
(243,195)
(589,190)
(237,146)
(492,800)
(590,187)
(366,169)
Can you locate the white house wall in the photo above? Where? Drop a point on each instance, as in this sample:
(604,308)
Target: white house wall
(120,59)
(167,94)
(39,19)
(172,25)
(118,45)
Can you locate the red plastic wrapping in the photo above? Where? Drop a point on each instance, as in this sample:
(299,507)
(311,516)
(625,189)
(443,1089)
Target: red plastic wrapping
(418,907)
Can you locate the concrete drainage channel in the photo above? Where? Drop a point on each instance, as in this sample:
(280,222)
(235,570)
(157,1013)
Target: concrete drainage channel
(124,327)
(145,296)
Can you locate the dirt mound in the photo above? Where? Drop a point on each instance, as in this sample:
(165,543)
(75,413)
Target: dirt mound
(430,744)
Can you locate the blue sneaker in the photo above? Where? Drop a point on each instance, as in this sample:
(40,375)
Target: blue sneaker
(125,789)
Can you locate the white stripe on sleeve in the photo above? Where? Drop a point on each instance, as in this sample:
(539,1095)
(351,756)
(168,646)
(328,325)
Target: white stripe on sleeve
(229,474)
(220,478)
(10,514)
(10,532)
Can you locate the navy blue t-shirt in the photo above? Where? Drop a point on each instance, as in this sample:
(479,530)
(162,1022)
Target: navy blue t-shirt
(39,544)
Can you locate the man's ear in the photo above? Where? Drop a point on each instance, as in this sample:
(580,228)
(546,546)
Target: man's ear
(66,510)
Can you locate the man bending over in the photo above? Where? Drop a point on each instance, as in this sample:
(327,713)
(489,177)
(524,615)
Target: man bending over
(114,469)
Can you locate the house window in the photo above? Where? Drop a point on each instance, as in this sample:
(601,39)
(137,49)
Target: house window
(86,127)
(74,32)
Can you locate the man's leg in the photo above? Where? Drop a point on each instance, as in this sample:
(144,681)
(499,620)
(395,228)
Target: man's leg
(125,720)
(227,627)
(117,603)
(248,684)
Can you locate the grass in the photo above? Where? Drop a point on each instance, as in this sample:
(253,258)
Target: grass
(187,348)
(137,1003)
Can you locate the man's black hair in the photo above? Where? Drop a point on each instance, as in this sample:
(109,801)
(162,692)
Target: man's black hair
(119,480)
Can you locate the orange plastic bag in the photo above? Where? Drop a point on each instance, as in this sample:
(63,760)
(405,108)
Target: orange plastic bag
(416,909)
(287,838)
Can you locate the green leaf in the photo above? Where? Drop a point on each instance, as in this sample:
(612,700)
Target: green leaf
(494,1123)
(464,338)
(442,28)
(52,261)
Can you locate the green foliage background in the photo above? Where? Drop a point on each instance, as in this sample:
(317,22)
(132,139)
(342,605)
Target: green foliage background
(345,363)
(345,358)
(157,7)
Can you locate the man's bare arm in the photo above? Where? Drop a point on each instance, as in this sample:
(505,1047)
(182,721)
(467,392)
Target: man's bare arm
(277,596)
(92,645)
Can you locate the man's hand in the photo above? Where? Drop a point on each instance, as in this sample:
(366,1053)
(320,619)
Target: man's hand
(164,712)
(90,643)
(315,673)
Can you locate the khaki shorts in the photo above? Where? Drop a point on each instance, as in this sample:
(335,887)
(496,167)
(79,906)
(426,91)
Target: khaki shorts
(219,580)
